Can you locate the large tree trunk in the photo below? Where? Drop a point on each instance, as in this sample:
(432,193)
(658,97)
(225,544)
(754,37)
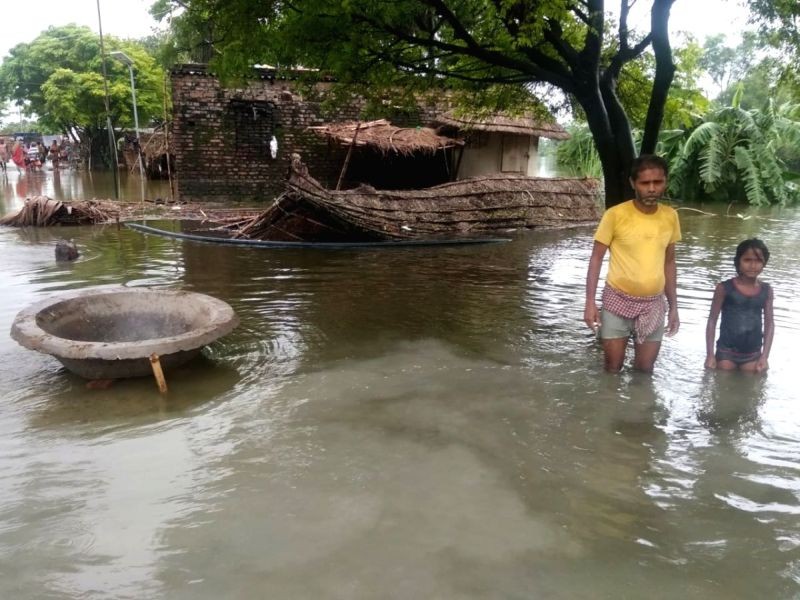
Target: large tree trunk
(597,94)
(612,136)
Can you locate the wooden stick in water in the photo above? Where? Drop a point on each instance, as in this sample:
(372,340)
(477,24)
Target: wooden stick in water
(158,372)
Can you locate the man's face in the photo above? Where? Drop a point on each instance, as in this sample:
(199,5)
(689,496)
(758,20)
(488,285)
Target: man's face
(650,185)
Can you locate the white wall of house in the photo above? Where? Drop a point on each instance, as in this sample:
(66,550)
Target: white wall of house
(488,153)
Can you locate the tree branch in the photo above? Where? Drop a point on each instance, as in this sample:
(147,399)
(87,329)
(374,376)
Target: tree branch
(665,71)
(593,41)
(550,70)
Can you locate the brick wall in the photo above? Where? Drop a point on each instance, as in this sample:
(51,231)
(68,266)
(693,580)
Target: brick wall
(220,136)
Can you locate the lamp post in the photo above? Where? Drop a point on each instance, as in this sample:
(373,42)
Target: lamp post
(111,146)
(126,60)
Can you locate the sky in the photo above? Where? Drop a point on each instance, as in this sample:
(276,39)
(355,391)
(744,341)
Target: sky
(120,18)
(130,18)
(702,18)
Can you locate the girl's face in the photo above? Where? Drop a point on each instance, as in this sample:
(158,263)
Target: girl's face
(751,263)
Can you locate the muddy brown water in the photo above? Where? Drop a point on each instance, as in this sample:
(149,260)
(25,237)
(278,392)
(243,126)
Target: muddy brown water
(68,185)
(413,423)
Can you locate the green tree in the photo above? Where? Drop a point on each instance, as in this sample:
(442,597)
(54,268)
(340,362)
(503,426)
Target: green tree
(726,65)
(779,24)
(25,125)
(193,31)
(466,44)
(685,102)
(683,111)
(765,82)
(752,65)
(578,157)
(58,77)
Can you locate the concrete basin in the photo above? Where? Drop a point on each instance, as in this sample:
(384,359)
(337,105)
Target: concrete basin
(109,332)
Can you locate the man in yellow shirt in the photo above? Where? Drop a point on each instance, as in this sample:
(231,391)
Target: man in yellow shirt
(640,286)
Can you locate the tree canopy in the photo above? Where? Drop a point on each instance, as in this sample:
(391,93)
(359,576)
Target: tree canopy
(779,23)
(569,45)
(59,77)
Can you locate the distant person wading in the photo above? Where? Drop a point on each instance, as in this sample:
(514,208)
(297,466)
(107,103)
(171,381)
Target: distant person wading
(4,154)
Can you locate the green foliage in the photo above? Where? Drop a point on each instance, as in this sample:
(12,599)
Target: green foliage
(747,151)
(670,143)
(779,24)
(59,77)
(765,82)
(727,65)
(577,156)
(11,127)
(733,157)
(685,102)
(752,67)
(232,34)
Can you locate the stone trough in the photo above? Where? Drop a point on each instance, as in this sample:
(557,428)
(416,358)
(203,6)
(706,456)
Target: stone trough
(110,332)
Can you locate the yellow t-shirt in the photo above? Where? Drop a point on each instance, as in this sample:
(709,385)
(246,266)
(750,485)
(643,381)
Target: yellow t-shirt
(638,242)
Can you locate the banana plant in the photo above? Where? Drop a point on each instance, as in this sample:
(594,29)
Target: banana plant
(733,157)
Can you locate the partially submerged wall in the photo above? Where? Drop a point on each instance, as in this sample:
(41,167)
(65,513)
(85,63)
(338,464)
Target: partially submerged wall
(221,136)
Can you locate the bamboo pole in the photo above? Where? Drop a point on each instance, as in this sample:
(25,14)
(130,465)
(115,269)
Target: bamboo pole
(166,142)
(155,363)
(347,158)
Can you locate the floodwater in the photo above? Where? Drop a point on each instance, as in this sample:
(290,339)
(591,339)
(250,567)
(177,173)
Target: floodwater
(408,423)
(67,184)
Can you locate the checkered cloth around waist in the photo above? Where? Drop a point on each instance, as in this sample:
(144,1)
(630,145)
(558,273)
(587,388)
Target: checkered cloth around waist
(647,312)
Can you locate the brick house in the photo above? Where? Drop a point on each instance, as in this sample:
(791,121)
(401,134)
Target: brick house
(234,144)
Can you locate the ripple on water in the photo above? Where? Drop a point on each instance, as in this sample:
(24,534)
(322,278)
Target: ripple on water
(367,394)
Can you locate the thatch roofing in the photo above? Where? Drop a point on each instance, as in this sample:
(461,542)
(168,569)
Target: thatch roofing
(506,124)
(41,211)
(384,136)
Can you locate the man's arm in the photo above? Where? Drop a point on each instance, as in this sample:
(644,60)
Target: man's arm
(591,314)
(671,290)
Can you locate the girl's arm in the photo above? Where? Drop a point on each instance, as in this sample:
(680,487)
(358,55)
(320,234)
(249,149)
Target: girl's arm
(711,325)
(769,333)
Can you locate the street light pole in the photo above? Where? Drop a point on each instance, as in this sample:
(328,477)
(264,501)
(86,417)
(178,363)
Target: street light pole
(111,146)
(125,59)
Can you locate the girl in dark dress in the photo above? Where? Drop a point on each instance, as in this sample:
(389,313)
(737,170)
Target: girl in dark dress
(747,327)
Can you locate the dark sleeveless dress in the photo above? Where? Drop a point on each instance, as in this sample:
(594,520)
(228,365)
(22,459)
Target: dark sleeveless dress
(741,330)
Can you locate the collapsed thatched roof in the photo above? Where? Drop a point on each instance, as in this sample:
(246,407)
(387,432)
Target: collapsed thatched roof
(476,205)
(384,136)
(506,124)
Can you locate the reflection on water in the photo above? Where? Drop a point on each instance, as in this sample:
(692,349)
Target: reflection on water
(70,185)
(411,423)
